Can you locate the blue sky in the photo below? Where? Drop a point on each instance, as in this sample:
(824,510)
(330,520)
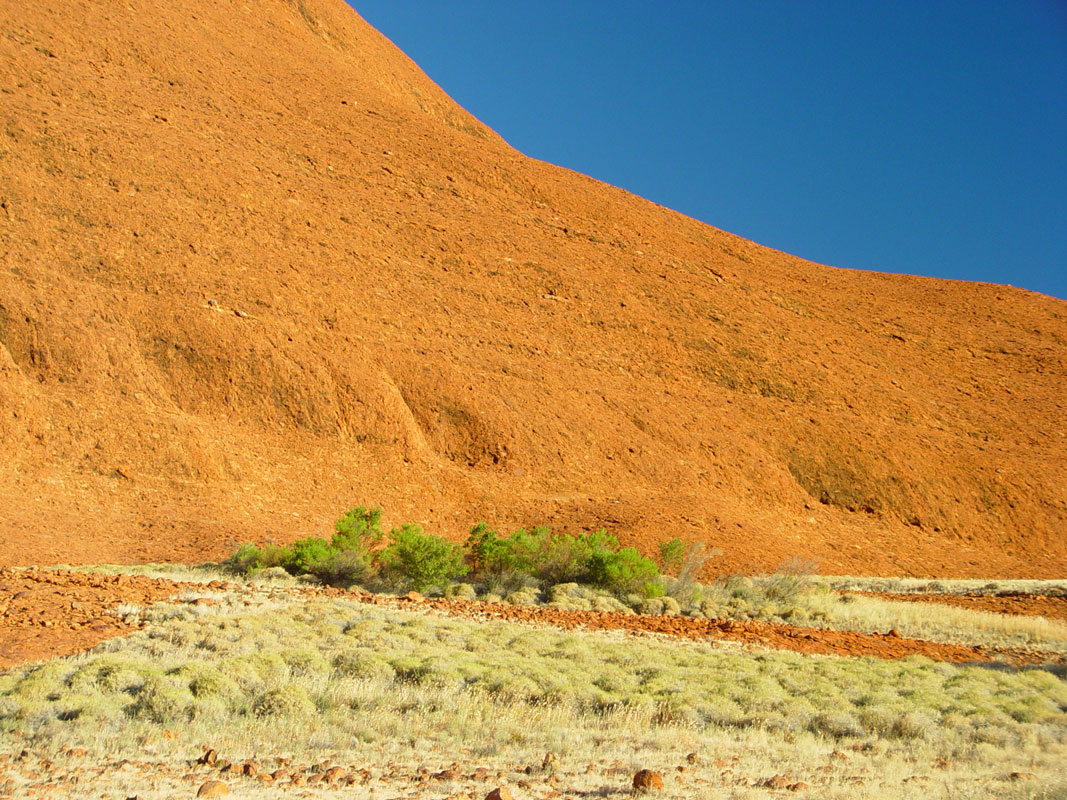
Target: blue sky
(921,137)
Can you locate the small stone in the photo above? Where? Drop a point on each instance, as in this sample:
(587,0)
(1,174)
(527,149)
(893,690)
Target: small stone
(209,757)
(1023,776)
(250,769)
(213,789)
(692,758)
(500,793)
(334,774)
(549,760)
(646,780)
(799,786)
(777,782)
(893,633)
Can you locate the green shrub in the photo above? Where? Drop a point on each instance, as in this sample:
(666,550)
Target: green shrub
(521,552)
(623,571)
(347,558)
(422,560)
(653,589)
(671,555)
(250,559)
(557,558)
(486,551)
(306,554)
(358,530)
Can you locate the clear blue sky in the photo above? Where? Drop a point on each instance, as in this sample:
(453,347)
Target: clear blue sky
(926,137)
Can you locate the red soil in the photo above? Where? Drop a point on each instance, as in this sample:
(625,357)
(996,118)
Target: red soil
(256,268)
(44,614)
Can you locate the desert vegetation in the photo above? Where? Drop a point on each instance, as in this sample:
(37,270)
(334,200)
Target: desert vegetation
(260,672)
(523,560)
(268,660)
(590,571)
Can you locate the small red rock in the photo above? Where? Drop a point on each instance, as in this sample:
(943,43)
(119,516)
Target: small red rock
(646,780)
(213,789)
(777,782)
(500,793)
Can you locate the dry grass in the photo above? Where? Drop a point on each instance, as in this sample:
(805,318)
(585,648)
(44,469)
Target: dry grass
(371,685)
(944,623)
(940,586)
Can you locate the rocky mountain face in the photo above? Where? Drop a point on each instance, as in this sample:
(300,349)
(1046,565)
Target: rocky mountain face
(256,268)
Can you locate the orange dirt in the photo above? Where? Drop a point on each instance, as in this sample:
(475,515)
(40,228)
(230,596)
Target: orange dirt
(44,614)
(1030,605)
(256,268)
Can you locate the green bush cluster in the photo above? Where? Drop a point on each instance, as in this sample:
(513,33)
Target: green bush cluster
(425,561)
(530,565)
(354,555)
(553,558)
(506,565)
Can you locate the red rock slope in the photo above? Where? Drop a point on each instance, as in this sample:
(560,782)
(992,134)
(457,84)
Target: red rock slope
(255,267)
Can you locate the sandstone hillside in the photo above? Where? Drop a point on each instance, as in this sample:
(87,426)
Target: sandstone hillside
(255,267)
